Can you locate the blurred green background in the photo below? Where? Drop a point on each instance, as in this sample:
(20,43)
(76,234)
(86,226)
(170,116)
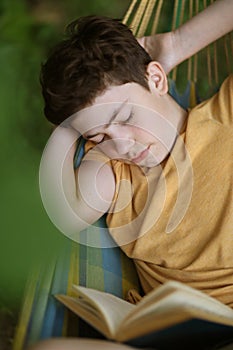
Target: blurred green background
(28,29)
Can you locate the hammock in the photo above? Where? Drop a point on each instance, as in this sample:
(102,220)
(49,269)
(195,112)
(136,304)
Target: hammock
(109,269)
(206,69)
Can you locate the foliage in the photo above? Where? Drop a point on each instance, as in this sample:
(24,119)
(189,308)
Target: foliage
(25,39)
(28,29)
(23,43)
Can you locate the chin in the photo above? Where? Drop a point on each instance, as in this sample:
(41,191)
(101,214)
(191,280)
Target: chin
(153,161)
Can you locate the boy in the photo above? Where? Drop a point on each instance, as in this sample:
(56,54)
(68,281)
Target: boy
(163,174)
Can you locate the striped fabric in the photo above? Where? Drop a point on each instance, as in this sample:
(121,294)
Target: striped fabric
(42,317)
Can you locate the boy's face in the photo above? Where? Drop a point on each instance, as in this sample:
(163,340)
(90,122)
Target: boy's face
(128,123)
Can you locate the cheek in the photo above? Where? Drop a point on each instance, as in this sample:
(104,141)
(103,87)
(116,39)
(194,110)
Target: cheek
(157,154)
(108,149)
(143,135)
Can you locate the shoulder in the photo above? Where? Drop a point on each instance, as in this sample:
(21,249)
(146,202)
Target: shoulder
(228,81)
(226,90)
(219,108)
(95,178)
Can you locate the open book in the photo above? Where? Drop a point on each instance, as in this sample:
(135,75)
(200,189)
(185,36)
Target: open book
(172,316)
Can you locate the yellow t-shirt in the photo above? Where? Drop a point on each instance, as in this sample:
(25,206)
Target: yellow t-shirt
(176,220)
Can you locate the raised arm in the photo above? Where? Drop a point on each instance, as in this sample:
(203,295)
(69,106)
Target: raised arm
(172,48)
(73,199)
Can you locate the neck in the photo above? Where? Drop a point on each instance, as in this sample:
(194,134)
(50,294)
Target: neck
(175,113)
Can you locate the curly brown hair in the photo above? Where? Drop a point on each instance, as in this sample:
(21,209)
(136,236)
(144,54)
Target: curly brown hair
(98,52)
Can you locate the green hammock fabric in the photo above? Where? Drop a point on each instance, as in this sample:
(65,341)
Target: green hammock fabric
(109,269)
(209,67)
(43,317)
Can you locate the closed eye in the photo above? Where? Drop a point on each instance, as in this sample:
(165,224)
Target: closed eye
(123,119)
(97,138)
(118,119)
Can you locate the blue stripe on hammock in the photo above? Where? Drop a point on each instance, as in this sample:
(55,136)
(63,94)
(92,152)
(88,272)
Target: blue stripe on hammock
(54,315)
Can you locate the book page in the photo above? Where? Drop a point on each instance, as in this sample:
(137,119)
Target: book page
(204,301)
(168,305)
(87,313)
(174,308)
(111,308)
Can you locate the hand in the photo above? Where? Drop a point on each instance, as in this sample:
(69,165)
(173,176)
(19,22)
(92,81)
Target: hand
(161,48)
(172,48)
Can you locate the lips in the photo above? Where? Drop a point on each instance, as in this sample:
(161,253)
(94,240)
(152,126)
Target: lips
(141,156)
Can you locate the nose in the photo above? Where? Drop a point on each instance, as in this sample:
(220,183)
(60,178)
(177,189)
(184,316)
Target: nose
(122,145)
(121,139)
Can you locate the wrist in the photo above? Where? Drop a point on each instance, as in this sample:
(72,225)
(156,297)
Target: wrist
(168,55)
(176,55)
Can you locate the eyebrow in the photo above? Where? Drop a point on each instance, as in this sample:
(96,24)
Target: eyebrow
(113,117)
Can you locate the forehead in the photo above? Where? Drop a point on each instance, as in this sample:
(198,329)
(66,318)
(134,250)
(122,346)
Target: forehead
(120,99)
(115,93)
(95,116)
(115,98)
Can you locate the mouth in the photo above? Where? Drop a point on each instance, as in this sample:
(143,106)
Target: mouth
(141,156)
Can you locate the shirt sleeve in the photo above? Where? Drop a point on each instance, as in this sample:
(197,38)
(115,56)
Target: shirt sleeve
(93,153)
(220,106)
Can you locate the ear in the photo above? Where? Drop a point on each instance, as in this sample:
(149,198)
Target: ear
(157,79)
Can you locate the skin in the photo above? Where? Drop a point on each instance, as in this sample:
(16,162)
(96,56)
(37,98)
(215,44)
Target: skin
(146,138)
(143,131)
(137,125)
(78,344)
(172,48)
